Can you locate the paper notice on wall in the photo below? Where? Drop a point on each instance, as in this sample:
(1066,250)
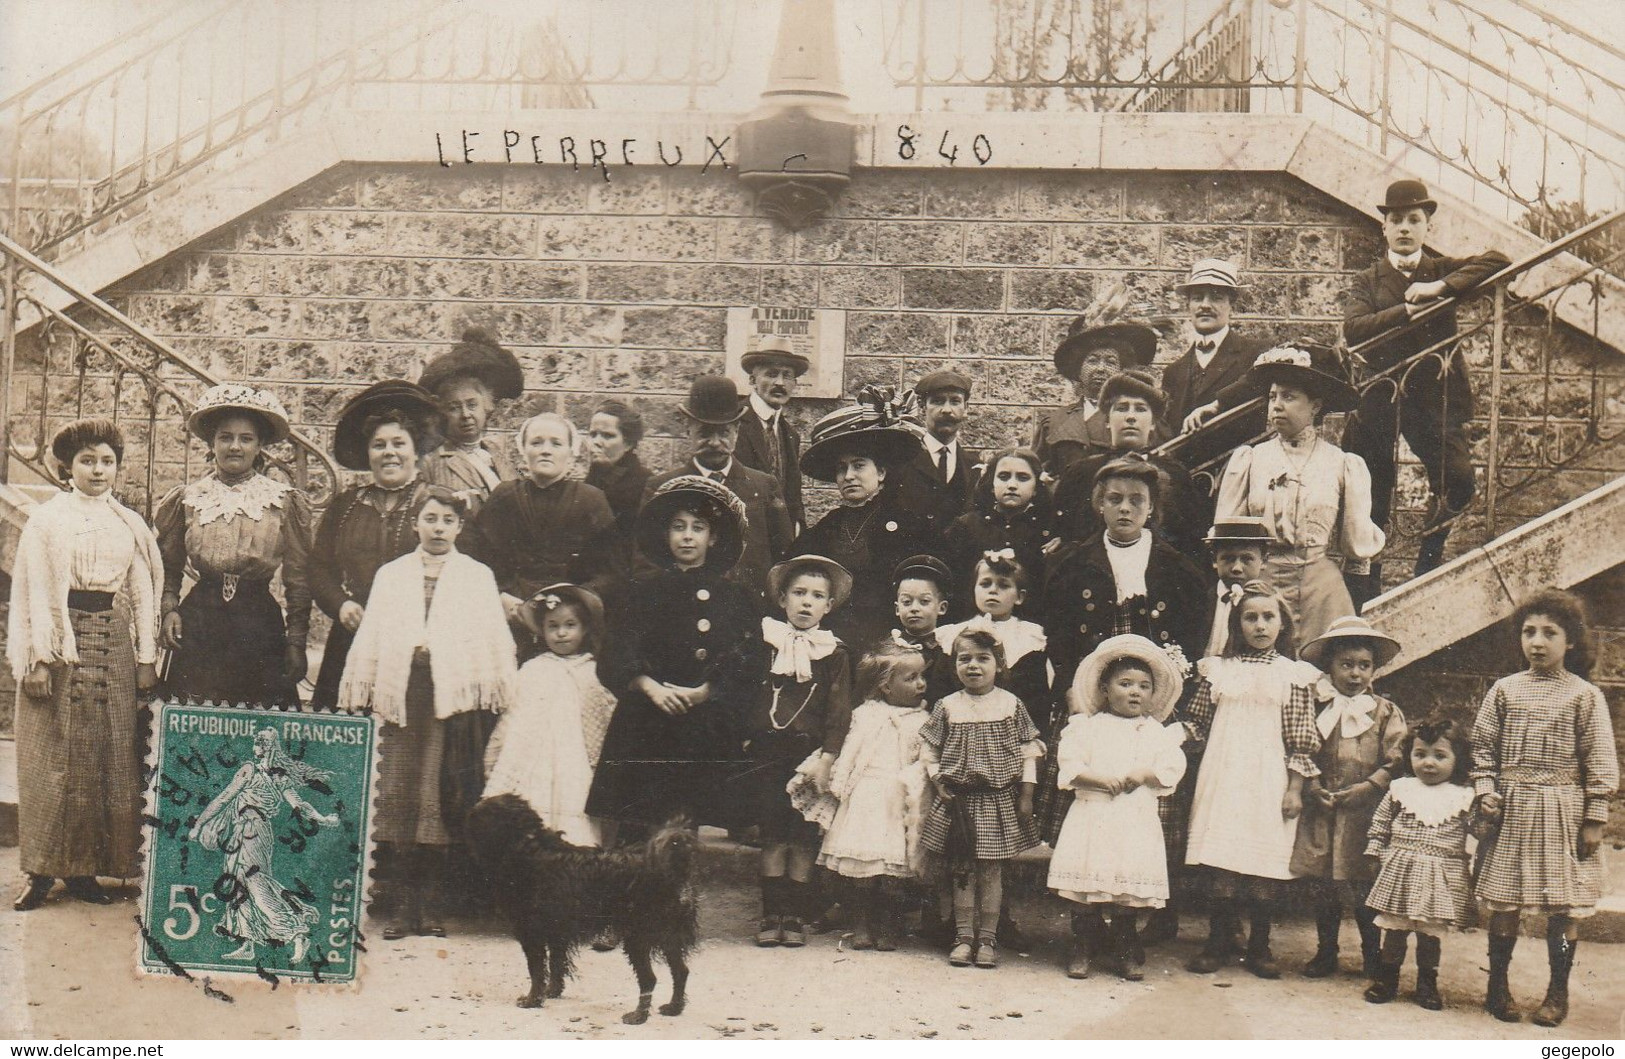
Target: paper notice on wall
(817,334)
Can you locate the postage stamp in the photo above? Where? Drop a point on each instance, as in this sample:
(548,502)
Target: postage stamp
(257,832)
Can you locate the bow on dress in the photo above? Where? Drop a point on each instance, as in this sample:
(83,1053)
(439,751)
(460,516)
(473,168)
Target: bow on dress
(795,650)
(1353,714)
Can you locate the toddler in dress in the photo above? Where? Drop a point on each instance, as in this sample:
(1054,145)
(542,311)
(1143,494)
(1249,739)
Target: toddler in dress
(1117,757)
(877,792)
(546,747)
(1419,836)
(981,751)
(1545,766)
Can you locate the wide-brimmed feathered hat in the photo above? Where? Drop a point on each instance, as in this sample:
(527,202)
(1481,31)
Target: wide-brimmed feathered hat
(477,356)
(1109,320)
(231,397)
(412,400)
(1318,652)
(1310,367)
(712,501)
(840,579)
(1167,681)
(878,426)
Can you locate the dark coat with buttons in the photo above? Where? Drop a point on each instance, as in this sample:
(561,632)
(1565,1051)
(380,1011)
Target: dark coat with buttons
(686,628)
(976,532)
(1184,509)
(768,530)
(920,487)
(1082,601)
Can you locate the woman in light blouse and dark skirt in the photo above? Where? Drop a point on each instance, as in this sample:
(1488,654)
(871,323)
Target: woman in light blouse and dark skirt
(69,645)
(232,530)
(382,429)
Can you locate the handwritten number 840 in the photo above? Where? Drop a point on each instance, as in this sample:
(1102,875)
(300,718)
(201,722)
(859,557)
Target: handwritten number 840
(981,148)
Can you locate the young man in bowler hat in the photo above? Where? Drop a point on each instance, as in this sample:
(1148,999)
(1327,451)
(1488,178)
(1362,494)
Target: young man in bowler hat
(713,411)
(1436,405)
(767,439)
(1206,379)
(939,478)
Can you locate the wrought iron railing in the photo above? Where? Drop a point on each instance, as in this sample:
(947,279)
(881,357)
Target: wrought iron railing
(1560,367)
(92,360)
(100,135)
(1518,110)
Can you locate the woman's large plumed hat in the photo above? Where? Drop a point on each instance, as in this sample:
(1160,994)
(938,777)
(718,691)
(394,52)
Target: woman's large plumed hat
(1166,678)
(229,397)
(1310,367)
(878,427)
(712,501)
(477,356)
(1107,322)
(349,441)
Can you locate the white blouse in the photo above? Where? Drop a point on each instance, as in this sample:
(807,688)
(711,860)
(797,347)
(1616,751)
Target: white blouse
(1311,494)
(103,547)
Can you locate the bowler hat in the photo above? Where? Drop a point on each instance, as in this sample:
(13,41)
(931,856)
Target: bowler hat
(942,380)
(477,356)
(397,395)
(1405,195)
(775,350)
(1134,383)
(713,399)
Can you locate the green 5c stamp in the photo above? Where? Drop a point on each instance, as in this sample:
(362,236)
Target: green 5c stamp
(257,843)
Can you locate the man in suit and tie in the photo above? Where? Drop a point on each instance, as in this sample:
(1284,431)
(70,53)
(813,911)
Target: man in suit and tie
(1437,403)
(767,440)
(1206,379)
(938,479)
(713,411)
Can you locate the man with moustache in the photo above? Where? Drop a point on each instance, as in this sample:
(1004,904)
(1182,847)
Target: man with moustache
(1090,354)
(713,411)
(939,477)
(767,439)
(1206,380)
(1433,411)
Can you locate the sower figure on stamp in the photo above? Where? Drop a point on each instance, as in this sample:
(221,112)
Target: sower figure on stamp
(768,441)
(1429,406)
(467,381)
(233,530)
(68,640)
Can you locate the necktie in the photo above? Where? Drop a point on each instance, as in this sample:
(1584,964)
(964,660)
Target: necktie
(770,427)
(716,476)
(942,463)
(1205,347)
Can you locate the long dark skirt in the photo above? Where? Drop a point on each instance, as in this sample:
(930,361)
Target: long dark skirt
(655,767)
(334,655)
(231,650)
(409,759)
(78,758)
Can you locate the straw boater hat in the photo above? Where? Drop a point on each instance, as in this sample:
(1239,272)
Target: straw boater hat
(1310,367)
(349,446)
(545,599)
(477,356)
(1240,529)
(1317,652)
(1165,676)
(1213,272)
(713,501)
(714,400)
(1406,195)
(840,580)
(874,427)
(227,397)
(1134,383)
(774,350)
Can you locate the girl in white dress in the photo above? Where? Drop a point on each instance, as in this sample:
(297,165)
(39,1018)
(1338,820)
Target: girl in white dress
(1255,709)
(546,747)
(1314,497)
(1117,757)
(877,792)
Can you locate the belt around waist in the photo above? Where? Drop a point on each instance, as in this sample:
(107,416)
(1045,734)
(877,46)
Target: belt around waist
(227,585)
(1531,776)
(90,602)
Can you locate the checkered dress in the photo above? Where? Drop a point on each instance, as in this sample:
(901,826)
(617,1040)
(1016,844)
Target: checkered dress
(985,756)
(1545,743)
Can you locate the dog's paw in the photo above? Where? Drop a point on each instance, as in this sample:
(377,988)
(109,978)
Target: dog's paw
(555,991)
(636,1017)
(674,1008)
(530,1000)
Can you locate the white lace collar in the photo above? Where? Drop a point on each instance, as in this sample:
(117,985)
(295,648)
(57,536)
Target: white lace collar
(1431,805)
(212,499)
(965,708)
(1018,638)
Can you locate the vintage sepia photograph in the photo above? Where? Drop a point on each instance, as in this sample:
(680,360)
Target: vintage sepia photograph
(812,520)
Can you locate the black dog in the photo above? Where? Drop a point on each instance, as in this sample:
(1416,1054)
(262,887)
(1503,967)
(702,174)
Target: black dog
(560,896)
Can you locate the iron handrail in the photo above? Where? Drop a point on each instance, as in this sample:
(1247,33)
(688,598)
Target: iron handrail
(17,255)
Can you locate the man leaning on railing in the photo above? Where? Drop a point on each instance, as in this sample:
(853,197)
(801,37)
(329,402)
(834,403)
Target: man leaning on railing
(1430,403)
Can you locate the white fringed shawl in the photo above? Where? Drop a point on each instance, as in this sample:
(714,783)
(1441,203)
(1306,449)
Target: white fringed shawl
(38,629)
(471,652)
